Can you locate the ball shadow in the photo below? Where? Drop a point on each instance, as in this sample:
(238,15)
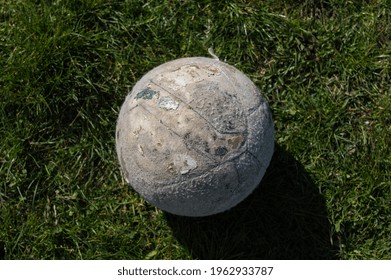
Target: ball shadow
(284,218)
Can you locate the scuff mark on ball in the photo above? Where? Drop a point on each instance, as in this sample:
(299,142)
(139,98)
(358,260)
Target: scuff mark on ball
(167,103)
(146,94)
(185,163)
(221,151)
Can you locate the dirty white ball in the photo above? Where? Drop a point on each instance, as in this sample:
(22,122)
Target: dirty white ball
(194,137)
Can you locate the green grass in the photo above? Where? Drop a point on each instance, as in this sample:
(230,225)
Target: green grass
(67,65)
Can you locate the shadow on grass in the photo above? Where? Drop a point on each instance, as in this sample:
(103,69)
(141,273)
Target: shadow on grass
(285,218)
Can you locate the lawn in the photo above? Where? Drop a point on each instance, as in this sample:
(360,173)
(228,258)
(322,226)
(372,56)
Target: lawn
(67,65)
